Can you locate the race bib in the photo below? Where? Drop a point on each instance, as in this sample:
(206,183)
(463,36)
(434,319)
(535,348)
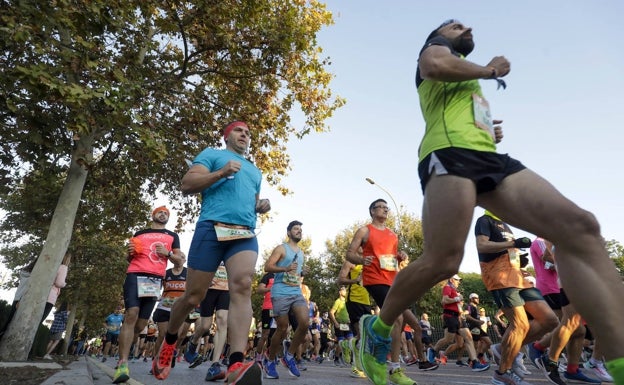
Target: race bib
(291,279)
(194,315)
(167,302)
(148,286)
(388,262)
(482,115)
(343,327)
(227,232)
(514,257)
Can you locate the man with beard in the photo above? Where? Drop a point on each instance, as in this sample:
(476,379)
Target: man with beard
(460,169)
(230,186)
(148,253)
(286,262)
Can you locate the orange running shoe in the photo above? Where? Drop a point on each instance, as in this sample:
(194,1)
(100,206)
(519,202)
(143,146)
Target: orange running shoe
(161,366)
(244,373)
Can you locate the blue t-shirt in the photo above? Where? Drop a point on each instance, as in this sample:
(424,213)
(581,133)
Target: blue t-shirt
(233,199)
(285,283)
(113,323)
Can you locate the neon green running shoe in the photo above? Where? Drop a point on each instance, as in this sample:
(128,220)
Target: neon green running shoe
(398,377)
(122,374)
(373,351)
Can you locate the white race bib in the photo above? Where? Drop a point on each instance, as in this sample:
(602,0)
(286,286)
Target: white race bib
(482,115)
(148,286)
(231,232)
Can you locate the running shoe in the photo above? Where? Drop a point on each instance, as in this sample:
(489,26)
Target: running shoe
(518,366)
(461,363)
(161,366)
(398,377)
(301,365)
(190,354)
(431,355)
(443,357)
(599,370)
(122,374)
(270,369)
(357,373)
(373,351)
(244,373)
(291,364)
(507,378)
(580,377)
(534,354)
(426,365)
(215,372)
(550,370)
(411,361)
(476,366)
(198,361)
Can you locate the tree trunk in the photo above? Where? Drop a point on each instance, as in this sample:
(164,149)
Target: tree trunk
(19,337)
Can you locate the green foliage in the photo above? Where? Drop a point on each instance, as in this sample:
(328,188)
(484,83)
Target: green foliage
(128,90)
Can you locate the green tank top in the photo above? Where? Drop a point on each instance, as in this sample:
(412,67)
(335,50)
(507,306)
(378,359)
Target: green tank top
(447,108)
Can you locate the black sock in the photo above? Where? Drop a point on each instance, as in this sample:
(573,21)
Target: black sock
(171,338)
(236,357)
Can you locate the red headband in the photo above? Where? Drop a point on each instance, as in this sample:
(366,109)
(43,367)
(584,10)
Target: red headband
(232,126)
(160,208)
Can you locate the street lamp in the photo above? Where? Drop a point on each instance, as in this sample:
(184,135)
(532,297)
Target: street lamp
(398,214)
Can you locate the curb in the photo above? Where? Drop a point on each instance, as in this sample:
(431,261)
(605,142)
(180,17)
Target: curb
(76,374)
(107,370)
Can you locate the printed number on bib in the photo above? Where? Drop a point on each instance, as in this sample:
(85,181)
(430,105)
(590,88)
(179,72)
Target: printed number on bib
(388,262)
(148,286)
(227,232)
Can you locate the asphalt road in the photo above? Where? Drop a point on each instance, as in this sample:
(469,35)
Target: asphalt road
(317,374)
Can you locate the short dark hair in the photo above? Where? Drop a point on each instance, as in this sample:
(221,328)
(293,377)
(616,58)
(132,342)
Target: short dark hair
(372,205)
(293,224)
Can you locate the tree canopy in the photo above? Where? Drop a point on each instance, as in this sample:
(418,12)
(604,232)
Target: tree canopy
(103,102)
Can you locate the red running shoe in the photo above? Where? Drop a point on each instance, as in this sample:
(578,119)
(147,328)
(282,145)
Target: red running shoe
(161,366)
(244,373)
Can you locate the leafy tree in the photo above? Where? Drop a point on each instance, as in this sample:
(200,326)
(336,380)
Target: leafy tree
(102,102)
(616,252)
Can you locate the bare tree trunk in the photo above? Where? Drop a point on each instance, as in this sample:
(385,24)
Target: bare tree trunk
(19,337)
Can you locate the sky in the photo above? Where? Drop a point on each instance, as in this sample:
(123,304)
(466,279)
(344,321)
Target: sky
(562,110)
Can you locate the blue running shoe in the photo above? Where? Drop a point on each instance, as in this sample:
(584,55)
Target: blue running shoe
(215,372)
(291,364)
(190,354)
(534,354)
(431,355)
(270,369)
(373,351)
(580,377)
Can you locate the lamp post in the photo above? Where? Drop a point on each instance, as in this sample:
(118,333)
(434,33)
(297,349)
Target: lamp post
(398,214)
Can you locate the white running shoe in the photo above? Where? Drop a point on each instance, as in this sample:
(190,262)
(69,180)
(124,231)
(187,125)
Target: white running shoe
(599,370)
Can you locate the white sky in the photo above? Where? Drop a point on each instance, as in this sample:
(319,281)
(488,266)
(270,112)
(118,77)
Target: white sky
(562,109)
